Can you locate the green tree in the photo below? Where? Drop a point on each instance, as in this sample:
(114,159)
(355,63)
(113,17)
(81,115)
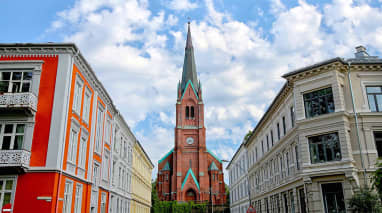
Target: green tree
(154,196)
(246,137)
(377,180)
(365,201)
(227,195)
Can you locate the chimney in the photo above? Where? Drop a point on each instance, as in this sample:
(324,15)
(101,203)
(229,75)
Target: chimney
(361,52)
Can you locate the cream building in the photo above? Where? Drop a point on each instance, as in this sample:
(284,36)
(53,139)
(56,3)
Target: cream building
(314,148)
(141,180)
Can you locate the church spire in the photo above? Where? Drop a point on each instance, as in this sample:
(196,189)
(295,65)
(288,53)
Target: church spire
(189,68)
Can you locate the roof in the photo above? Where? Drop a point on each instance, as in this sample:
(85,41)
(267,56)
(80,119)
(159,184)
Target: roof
(166,167)
(213,155)
(314,66)
(189,67)
(164,157)
(193,177)
(213,167)
(148,158)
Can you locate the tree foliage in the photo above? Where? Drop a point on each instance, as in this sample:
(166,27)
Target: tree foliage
(365,201)
(246,137)
(377,180)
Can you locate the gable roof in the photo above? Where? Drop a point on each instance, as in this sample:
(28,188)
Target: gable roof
(193,177)
(193,88)
(166,167)
(213,167)
(164,157)
(213,155)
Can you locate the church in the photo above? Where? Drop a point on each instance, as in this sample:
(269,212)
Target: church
(189,171)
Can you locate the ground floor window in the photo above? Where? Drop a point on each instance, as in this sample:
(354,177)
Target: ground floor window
(78,198)
(378,143)
(302,200)
(103,202)
(7,186)
(68,197)
(285,197)
(333,198)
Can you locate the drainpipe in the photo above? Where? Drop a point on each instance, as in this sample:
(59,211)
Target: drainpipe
(356,124)
(63,144)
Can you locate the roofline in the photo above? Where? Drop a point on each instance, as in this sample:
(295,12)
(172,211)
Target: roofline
(303,69)
(237,152)
(139,144)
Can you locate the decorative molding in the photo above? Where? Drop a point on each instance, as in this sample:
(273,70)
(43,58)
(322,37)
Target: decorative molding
(10,158)
(18,100)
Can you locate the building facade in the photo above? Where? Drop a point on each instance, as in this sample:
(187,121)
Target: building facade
(238,181)
(64,145)
(141,181)
(320,138)
(190,172)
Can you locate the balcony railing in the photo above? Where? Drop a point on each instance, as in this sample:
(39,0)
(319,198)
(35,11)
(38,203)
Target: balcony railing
(15,158)
(22,100)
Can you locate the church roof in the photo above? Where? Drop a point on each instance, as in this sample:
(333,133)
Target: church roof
(213,167)
(164,157)
(166,167)
(193,177)
(189,68)
(213,155)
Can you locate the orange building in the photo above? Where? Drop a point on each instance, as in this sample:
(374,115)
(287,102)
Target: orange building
(57,133)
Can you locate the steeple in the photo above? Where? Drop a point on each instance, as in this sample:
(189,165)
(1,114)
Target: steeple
(189,68)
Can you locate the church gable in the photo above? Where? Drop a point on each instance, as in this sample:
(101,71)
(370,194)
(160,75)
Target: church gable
(191,90)
(166,158)
(195,181)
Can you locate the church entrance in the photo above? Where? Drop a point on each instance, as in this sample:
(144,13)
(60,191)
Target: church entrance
(190,195)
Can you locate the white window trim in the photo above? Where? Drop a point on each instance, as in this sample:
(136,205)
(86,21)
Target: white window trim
(76,101)
(74,127)
(96,179)
(105,165)
(13,134)
(108,131)
(86,114)
(78,198)
(99,129)
(70,194)
(82,155)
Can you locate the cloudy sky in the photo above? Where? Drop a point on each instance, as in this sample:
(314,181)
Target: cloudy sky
(136,48)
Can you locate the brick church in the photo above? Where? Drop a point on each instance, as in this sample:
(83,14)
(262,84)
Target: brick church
(189,171)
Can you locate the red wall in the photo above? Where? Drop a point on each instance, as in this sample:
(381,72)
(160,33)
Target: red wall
(44,106)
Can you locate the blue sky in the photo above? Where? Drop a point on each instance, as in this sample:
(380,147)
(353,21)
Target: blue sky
(242,48)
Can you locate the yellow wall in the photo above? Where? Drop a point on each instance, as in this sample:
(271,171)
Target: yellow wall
(141,181)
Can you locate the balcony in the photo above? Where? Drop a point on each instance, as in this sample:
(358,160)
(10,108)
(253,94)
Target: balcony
(12,102)
(14,161)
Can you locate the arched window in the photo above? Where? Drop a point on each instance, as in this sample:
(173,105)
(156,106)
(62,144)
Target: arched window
(192,112)
(187,112)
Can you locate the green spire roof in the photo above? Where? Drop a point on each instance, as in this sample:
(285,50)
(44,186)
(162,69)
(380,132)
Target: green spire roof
(166,167)
(213,167)
(189,68)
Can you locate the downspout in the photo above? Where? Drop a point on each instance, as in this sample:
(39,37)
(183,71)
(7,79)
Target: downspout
(63,144)
(356,124)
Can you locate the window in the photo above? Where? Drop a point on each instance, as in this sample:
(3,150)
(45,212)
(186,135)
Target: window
(324,148)
(272,137)
(86,110)
(83,152)
(99,128)
(108,130)
(262,146)
(319,102)
(95,174)
(378,143)
(374,95)
(78,199)
(302,200)
(284,126)
(187,112)
(77,95)
(267,142)
(14,82)
(11,136)
(256,153)
(105,165)
(192,113)
(72,149)
(285,196)
(292,118)
(67,197)
(287,162)
(333,197)
(278,131)
(103,202)
(7,186)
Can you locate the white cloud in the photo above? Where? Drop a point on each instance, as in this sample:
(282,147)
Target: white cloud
(182,5)
(138,56)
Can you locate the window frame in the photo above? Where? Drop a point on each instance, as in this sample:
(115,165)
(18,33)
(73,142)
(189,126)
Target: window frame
(72,148)
(67,202)
(13,135)
(87,105)
(310,138)
(374,97)
(77,95)
(78,198)
(4,190)
(310,99)
(82,154)
(21,81)
(99,128)
(105,165)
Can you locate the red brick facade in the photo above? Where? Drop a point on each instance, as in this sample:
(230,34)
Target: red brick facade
(190,171)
